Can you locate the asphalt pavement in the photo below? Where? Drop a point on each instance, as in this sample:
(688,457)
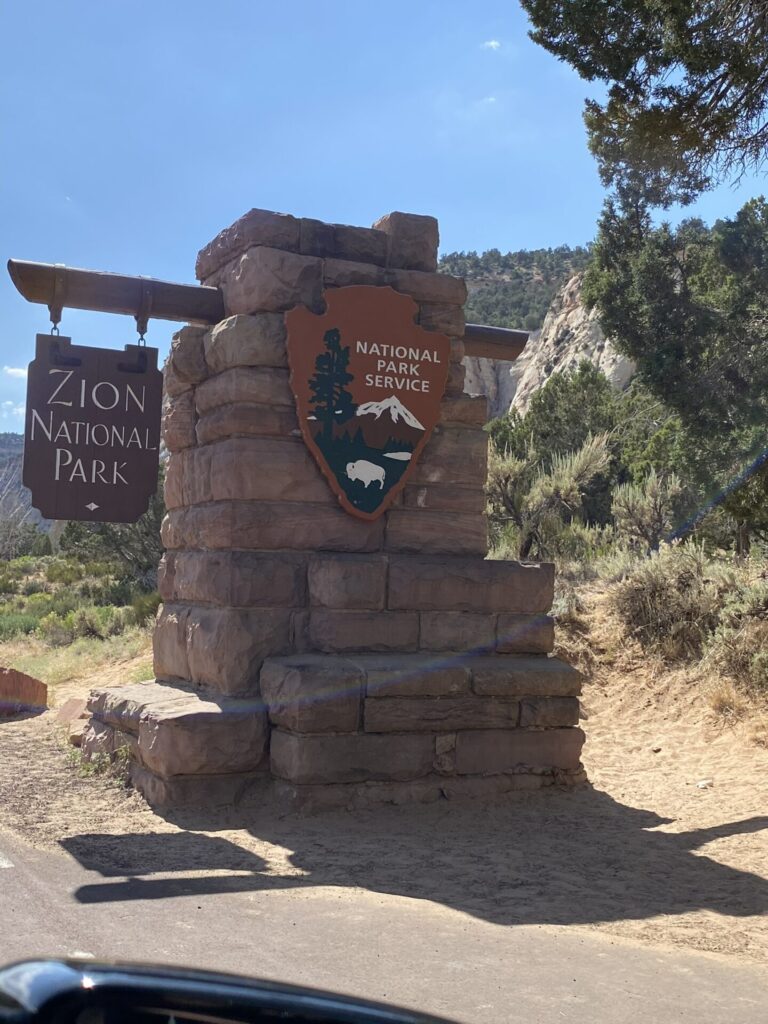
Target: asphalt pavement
(399,950)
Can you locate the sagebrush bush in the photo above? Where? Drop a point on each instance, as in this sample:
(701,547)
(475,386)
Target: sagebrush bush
(8,585)
(144,607)
(32,586)
(739,645)
(672,600)
(25,565)
(59,571)
(12,623)
(57,630)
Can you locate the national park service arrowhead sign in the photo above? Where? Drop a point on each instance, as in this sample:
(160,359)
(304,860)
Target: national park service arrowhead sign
(368,383)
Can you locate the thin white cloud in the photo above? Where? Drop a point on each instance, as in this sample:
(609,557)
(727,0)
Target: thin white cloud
(492,44)
(9,410)
(488,99)
(15,371)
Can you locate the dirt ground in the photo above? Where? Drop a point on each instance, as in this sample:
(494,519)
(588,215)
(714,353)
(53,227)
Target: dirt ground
(668,844)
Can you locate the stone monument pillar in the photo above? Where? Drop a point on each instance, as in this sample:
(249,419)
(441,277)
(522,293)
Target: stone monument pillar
(305,654)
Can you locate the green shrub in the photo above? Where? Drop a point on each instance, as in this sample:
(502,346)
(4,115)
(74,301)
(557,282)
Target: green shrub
(57,630)
(99,622)
(13,623)
(672,600)
(739,646)
(60,571)
(23,566)
(42,545)
(32,586)
(644,512)
(120,592)
(100,570)
(144,607)
(8,585)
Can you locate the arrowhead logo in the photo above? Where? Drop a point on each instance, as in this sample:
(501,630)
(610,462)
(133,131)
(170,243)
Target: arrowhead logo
(368,383)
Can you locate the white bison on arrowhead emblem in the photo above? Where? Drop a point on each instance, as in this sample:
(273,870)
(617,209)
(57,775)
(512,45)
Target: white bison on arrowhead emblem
(366,472)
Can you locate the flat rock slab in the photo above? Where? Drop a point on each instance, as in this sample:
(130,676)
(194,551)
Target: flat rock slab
(20,692)
(72,710)
(181,731)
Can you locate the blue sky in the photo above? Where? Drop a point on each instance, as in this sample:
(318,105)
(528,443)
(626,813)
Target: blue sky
(132,132)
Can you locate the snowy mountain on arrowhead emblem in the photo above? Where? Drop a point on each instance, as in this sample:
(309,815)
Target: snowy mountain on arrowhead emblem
(396,409)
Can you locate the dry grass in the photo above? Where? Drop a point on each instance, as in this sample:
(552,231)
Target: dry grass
(126,658)
(727,701)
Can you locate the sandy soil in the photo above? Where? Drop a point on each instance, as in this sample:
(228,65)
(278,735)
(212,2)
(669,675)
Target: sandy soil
(669,843)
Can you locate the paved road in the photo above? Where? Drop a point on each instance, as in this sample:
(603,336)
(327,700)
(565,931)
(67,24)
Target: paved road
(400,950)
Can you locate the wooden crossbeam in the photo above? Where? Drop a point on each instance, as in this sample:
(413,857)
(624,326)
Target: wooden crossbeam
(74,288)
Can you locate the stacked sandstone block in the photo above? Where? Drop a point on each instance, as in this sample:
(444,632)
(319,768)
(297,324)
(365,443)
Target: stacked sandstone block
(331,659)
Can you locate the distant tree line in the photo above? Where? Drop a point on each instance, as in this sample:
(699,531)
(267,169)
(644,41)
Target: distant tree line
(514,289)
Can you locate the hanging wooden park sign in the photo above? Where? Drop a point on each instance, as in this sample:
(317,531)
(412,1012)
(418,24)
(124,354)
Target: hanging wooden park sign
(368,383)
(92,431)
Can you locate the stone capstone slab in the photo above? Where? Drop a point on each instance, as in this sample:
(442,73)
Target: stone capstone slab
(312,693)
(246,340)
(179,731)
(501,750)
(343,241)
(412,240)
(257,227)
(469,584)
(350,758)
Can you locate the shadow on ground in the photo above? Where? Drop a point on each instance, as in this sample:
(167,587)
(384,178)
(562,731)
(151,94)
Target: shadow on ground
(553,858)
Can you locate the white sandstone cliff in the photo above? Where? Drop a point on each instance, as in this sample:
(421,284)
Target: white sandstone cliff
(569,334)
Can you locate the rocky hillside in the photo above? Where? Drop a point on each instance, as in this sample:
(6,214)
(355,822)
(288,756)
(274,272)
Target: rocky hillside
(514,289)
(15,500)
(569,334)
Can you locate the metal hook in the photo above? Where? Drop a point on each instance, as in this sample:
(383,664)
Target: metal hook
(145,308)
(59,295)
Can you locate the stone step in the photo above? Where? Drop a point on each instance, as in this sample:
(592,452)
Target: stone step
(176,730)
(377,693)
